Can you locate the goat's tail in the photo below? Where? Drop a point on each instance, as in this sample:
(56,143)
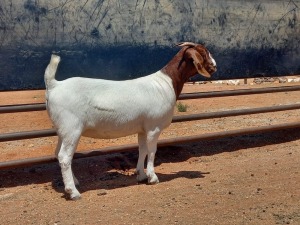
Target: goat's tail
(51,71)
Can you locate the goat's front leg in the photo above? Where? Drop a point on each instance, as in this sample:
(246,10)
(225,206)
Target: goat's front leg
(152,138)
(141,175)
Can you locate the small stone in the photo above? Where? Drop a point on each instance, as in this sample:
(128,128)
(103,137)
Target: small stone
(143,211)
(6,196)
(102,192)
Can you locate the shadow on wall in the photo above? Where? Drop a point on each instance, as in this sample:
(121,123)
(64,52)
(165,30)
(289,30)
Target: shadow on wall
(25,70)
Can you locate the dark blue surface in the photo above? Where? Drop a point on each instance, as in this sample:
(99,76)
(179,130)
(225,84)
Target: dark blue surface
(26,69)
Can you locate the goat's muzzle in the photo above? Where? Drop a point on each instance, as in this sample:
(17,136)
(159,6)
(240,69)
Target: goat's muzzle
(211,69)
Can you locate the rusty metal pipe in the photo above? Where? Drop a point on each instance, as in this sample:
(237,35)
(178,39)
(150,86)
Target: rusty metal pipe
(27,135)
(238,92)
(176,119)
(161,143)
(237,112)
(22,108)
(42,106)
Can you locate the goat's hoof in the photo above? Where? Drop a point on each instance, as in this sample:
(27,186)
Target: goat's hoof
(141,178)
(75,198)
(153,180)
(74,194)
(144,181)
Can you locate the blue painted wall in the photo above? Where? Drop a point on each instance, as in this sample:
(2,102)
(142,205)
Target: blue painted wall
(115,39)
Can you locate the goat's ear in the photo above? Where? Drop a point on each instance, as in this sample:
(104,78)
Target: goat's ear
(190,44)
(198,62)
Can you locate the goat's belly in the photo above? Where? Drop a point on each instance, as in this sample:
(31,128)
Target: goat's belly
(108,133)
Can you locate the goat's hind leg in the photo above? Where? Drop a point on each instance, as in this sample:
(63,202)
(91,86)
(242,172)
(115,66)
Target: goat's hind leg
(65,156)
(58,147)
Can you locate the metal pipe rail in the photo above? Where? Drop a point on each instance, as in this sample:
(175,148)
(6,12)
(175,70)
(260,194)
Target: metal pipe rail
(176,119)
(238,92)
(27,135)
(237,112)
(42,106)
(161,143)
(165,142)
(22,108)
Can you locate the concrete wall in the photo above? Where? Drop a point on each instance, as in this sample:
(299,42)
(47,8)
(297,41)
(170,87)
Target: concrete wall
(117,39)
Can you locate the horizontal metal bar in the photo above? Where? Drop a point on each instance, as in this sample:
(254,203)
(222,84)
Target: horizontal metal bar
(42,106)
(238,92)
(27,162)
(27,135)
(161,143)
(237,112)
(176,119)
(22,108)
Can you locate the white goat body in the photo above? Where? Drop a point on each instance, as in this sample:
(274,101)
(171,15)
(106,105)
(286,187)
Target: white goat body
(109,109)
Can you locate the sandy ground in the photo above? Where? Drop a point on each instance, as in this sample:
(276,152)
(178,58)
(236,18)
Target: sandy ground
(250,179)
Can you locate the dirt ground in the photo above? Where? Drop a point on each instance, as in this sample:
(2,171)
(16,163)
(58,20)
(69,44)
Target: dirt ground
(250,179)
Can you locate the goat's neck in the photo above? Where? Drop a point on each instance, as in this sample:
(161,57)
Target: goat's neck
(179,70)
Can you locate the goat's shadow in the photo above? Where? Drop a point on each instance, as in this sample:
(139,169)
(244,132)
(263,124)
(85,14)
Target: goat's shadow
(116,170)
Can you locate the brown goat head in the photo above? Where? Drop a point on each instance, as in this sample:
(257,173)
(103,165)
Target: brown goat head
(202,59)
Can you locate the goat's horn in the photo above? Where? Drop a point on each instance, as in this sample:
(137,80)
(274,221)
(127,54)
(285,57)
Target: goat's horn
(181,44)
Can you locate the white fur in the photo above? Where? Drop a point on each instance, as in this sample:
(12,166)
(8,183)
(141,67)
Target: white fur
(108,109)
(212,59)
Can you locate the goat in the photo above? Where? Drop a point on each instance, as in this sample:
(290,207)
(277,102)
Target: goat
(110,109)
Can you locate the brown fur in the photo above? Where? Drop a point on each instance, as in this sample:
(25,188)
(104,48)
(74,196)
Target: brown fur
(183,65)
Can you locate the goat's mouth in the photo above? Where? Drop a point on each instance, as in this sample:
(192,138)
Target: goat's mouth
(211,69)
